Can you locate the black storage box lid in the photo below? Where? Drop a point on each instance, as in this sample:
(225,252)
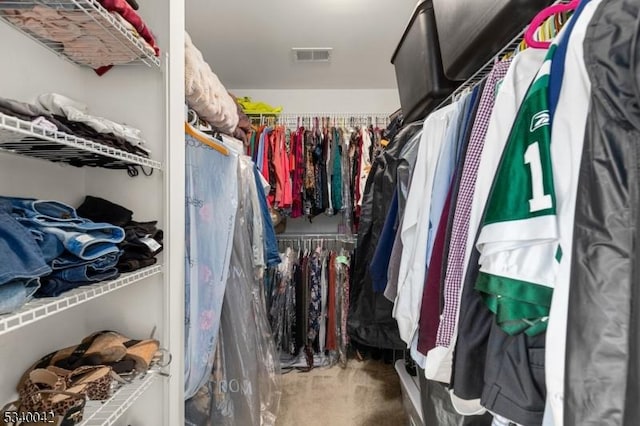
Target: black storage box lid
(471,32)
(421,81)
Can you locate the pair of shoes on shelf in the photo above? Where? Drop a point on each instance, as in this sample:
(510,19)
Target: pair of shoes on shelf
(122,354)
(93,381)
(57,396)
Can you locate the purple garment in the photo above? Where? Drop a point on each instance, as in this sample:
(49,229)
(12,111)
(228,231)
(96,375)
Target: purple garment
(460,228)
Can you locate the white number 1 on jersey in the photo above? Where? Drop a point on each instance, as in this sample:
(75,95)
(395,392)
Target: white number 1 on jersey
(540,200)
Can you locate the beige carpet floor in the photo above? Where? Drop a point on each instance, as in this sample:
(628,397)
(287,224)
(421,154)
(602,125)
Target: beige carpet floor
(364,394)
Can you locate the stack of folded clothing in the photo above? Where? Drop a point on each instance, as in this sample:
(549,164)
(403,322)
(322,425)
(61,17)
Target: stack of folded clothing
(48,247)
(59,247)
(142,240)
(81,36)
(56,112)
(76,112)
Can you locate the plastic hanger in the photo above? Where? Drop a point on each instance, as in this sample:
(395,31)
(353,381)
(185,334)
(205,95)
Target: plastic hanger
(218,146)
(541,17)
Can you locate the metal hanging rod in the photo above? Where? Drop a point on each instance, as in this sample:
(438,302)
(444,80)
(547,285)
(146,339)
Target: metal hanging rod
(328,236)
(323,118)
(311,241)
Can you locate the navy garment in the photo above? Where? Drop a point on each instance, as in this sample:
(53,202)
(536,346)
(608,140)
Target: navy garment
(557,66)
(271,254)
(380,261)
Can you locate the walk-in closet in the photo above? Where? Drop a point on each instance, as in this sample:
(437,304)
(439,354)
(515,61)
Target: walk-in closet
(353,213)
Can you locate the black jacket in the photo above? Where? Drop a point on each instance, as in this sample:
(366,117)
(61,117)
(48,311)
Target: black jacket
(603,332)
(370,321)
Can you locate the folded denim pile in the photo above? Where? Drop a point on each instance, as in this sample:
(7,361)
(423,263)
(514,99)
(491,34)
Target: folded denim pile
(57,112)
(48,248)
(142,240)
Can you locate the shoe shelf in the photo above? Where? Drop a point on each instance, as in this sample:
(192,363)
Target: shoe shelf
(104,38)
(38,309)
(25,138)
(107,413)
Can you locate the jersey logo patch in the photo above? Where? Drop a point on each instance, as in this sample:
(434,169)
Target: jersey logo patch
(539,120)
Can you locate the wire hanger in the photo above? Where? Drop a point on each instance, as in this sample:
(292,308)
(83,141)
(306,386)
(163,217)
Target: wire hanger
(540,18)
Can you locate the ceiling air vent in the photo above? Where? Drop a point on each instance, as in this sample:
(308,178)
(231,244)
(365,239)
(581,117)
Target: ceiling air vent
(313,54)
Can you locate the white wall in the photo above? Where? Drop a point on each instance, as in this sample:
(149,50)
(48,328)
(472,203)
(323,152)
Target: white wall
(384,101)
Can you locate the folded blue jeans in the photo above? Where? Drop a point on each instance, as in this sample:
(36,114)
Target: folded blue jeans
(85,274)
(54,287)
(68,260)
(86,239)
(14,294)
(20,255)
(50,245)
(102,269)
(89,244)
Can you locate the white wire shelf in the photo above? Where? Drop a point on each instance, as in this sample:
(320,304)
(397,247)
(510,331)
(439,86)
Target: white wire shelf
(107,413)
(38,309)
(25,138)
(80,31)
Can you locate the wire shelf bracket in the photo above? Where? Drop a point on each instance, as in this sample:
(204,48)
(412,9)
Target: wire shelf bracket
(38,309)
(25,138)
(92,35)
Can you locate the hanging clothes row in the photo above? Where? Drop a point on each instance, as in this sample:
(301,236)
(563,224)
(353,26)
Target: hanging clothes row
(309,296)
(501,246)
(316,169)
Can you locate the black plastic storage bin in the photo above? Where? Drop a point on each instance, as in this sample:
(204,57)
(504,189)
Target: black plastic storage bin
(421,81)
(471,32)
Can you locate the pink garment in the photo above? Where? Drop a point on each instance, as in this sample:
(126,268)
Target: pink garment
(287,197)
(127,12)
(278,151)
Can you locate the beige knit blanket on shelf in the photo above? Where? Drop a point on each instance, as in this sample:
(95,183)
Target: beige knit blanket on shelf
(205,93)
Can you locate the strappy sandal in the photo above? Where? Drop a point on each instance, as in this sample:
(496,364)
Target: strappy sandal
(67,406)
(38,380)
(142,352)
(96,349)
(120,350)
(97,379)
